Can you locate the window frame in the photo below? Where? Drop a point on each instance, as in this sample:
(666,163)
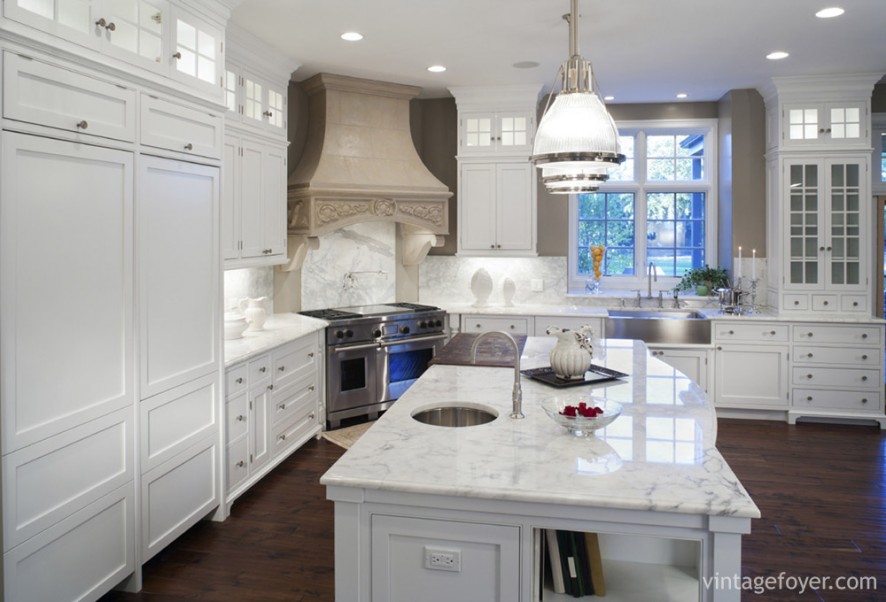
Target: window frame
(878,132)
(640,188)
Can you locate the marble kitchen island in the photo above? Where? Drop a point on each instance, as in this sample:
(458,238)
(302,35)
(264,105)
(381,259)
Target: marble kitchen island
(669,510)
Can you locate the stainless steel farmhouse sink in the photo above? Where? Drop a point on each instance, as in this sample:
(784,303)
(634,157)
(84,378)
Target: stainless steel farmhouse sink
(661,326)
(455,415)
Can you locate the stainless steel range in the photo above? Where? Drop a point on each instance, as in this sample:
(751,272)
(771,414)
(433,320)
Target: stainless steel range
(375,352)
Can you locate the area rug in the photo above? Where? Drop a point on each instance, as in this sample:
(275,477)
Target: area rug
(347,436)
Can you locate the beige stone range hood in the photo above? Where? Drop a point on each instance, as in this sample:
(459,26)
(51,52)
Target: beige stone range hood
(360,165)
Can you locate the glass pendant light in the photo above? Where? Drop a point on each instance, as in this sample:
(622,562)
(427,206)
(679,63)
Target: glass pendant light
(576,144)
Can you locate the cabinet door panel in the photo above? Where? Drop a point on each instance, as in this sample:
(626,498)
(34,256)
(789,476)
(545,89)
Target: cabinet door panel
(477,222)
(66,335)
(751,376)
(515,218)
(72,20)
(179,128)
(251,222)
(230,207)
(259,427)
(179,272)
(274,200)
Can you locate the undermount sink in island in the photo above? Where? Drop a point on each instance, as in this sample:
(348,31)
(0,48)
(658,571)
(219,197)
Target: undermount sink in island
(668,509)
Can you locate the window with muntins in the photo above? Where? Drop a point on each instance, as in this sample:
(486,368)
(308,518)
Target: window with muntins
(658,207)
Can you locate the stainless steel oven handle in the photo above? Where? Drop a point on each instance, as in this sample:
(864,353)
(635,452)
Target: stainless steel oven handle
(411,340)
(337,348)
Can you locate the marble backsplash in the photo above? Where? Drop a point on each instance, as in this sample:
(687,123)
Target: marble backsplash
(249,282)
(353,266)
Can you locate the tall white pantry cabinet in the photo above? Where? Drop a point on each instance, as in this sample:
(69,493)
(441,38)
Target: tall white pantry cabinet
(110,271)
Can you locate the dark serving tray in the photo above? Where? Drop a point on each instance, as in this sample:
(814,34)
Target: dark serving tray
(595,374)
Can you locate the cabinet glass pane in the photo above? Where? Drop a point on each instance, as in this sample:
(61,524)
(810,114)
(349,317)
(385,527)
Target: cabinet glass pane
(40,7)
(252,102)
(478,131)
(231,90)
(845,122)
(276,108)
(803,124)
(845,211)
(513,131)
(803,217)
(75,14)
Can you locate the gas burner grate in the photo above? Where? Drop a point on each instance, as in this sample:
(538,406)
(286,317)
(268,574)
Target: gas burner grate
(415,306)
(329,314)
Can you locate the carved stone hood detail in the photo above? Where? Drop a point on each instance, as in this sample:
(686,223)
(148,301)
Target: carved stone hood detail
(360,163)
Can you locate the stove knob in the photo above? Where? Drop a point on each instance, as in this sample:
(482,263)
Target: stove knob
(438,323)
(349,333)
(423,324)
(404,330)
(376,333)
(339,335)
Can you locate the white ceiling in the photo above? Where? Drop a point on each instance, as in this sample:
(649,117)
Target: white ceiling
(641,50)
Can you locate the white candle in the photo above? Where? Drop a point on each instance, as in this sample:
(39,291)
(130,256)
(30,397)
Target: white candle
(753,264)
(739,264)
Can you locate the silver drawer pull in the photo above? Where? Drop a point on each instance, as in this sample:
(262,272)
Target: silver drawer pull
(268,114)
(808,355)
(189,146)
(263,369)
(239,381)
(82,125)
(809,334)
(282,437)
(808,376)
(282,368)
(241,418)
(864,378)
(864,357)
(825,303)
(809,398)
(855,304)
(271,387)
(311,388)
(864,335)
(478,326)
(772,332)
(512,327)
(281,406)
(241,464)
(311,354)
(796,303)
(311,417)
(177,55)
(864,400)
(731,332)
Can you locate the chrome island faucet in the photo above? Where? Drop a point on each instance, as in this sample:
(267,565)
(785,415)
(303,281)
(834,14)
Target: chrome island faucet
(517,395)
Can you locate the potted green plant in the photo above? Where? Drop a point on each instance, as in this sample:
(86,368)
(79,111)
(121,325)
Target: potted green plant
(704,280)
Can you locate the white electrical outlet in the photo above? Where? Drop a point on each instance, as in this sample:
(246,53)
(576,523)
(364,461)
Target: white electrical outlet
(537,285)
(443,559)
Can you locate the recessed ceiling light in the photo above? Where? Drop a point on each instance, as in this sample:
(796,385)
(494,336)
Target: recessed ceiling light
(525,65)
(777,55)
(682,95)
(827,13)
(352,36)
(436,68)
(608,98)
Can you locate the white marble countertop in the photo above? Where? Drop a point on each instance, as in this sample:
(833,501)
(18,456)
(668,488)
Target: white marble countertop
(658,455)
(278,330)
(710,311)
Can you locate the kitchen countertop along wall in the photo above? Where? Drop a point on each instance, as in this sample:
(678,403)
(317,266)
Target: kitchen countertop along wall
(278,330)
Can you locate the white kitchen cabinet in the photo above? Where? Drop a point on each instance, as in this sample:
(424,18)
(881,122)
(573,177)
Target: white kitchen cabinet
(177,217)
(180,128)
(496,182)
(476,323)
(162,37)
(253,218)
(543,322)
(255,100)
(837,371)
(751,367)
(818,124)
(691,362)
(273,407)
(497,213)
(81,101)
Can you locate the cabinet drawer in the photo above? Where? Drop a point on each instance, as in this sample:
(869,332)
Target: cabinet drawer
(512,325)
(796,302)
(542,323)
(855,357)
(293,362)
(236,416)
(37,92)
(259,369)
(854,303)
(825,303)
(844,333)
(837,377)
(235,380)
(854,400)
(237,462)
(289,433)
(292,399)
(757,332)
(179,128)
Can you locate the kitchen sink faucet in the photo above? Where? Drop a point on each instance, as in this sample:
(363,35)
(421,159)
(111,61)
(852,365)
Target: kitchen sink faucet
(517,395)
(650,276)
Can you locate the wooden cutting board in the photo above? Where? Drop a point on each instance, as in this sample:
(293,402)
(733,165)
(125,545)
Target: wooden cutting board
(494,350)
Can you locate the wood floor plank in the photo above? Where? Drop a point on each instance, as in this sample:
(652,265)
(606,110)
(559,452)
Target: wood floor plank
(821,490)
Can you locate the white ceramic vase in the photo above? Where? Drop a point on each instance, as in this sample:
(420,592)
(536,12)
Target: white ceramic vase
(569,359)
(481,286)
(508,288)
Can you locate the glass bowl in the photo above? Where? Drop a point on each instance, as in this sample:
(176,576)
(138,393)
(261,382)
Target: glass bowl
(581,426)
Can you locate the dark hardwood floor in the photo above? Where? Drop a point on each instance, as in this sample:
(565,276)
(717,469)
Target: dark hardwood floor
(821,490)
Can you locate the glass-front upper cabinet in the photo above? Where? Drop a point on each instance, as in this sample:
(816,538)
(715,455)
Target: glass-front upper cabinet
(73,20)
(198,53)
(137,29)
(496,132)
(254,100)
(825,217)
(827,124)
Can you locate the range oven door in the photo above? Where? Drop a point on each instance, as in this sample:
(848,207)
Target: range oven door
(352,377)
(402,362)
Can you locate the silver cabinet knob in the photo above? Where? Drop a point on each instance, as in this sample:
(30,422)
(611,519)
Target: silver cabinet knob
(263,369)
(281,406)
(796,303)
(864,378)
(282,368)
(271,387)
(282,437)
(311,417)
(855,304)
(83,125)
(809,398)
(268,114)
(825,303)
(771,332)
(177,55)
(241,464)
(311,354)
(809,376)
(311,388)
(809,355)
(809,334)
(864,400)
(864,335)
(189,146)
(241,418)
(239,381)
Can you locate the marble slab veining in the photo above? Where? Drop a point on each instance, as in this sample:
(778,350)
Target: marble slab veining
(660,455)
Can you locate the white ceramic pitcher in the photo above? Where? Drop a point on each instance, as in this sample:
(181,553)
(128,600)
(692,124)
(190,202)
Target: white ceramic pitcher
(255,312)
